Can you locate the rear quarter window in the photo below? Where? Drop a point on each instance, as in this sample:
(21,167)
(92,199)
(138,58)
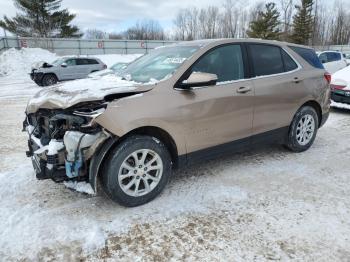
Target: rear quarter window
(92,62)
(308,55)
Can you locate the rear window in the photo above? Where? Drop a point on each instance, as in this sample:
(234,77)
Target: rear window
(267,59)
(308,55)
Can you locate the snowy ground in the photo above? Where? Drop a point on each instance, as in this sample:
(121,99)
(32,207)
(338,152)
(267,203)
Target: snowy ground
(267,204)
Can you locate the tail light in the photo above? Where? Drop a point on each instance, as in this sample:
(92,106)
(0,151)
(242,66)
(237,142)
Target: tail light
(328,77)
(337,87)
(104,66)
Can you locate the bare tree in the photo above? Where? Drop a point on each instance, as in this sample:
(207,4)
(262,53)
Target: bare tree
(286,13)
(94,33)
(145,30)
(229,19)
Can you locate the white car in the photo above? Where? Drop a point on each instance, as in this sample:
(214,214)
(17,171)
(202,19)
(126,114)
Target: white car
(332,61)
(340,86)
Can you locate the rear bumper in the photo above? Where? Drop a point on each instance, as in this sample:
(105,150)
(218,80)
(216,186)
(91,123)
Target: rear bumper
(341,96)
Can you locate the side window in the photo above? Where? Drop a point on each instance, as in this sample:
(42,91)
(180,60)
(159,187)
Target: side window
(323,58)
(267,59)
(332,56)
(225,61)
(92,61)
(308,55)
(71,62)
(81,61)
(289,63)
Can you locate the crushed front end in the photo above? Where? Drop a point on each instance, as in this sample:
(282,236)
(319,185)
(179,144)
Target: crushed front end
(62,142)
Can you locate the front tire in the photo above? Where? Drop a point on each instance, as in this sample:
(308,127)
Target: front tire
(49,80)
(136,171)
(303,129)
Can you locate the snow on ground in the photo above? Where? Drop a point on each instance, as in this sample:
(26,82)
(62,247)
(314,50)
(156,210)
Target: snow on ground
(15,66)
(266,204)
(340,105)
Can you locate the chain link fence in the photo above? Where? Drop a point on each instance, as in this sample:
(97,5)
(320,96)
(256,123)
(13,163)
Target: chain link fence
(69,46)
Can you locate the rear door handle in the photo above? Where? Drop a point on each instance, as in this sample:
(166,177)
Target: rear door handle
(296,80)
(244,89)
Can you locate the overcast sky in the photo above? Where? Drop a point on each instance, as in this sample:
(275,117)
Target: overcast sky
(117,15)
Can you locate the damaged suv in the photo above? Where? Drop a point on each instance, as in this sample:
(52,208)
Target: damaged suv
(178,105)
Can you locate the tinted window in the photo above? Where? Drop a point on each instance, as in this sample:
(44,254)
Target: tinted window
(226,62)
(71,62)
(323,58)
(289,64)
(267,59)
(332,56)
(308,55)
(82,62)
(92,61)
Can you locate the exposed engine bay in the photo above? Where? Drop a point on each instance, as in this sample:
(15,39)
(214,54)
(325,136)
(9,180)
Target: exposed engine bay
(62,142)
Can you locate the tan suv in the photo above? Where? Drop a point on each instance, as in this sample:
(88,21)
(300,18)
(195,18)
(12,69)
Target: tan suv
(178,105)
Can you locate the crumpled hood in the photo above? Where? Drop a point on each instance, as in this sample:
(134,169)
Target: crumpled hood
(67,94)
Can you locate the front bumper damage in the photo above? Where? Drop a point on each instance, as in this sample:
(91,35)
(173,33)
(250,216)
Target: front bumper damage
(65,156)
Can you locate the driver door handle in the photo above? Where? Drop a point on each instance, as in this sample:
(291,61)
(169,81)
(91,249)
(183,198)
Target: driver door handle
(244,89)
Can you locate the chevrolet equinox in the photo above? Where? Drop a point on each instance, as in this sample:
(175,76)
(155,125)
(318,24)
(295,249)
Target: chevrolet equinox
(178,105)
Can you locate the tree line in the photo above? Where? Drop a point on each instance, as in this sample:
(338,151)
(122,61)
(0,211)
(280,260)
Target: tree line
(308,22)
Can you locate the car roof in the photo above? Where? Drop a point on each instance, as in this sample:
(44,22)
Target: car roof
(206,42)
(330,51)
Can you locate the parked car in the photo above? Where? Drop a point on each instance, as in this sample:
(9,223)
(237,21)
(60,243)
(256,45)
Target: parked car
(178,105)
(340,86)
(67,68)
(117,67)
(333,61)
(347,58)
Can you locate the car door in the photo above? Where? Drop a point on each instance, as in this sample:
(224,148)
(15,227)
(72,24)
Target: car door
(213,116)
(278,84)
(69,71)
(83,67)
(93,65)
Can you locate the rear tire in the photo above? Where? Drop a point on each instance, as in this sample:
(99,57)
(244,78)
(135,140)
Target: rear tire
(49,80)
(136,171)
(303,129)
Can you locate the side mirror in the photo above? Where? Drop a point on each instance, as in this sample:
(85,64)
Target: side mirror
(323,61)
(64,64)
(198,79)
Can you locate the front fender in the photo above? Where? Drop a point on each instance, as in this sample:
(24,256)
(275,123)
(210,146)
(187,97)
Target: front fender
(97,159)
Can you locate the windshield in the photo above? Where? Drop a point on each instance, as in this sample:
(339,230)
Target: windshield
(118,66)
(57,62)
(159,64)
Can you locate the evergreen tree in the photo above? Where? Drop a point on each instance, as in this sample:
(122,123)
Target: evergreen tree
(266,24)
(303,23)
(40,18)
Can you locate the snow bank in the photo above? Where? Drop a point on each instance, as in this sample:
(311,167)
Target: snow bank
(15,62)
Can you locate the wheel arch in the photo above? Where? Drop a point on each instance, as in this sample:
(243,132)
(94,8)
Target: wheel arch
(101,153)
(49,73)
(315,105)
